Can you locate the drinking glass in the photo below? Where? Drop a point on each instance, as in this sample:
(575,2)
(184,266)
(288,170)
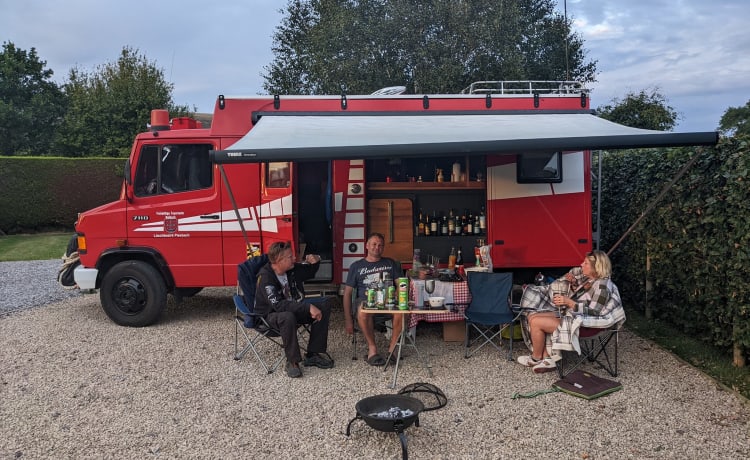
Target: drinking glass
(429,287)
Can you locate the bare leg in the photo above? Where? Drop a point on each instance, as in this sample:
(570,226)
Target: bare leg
(367,328)
(398,323)
(541,324)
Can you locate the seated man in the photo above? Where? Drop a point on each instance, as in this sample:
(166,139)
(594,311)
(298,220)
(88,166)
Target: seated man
(361,274)
(280,298)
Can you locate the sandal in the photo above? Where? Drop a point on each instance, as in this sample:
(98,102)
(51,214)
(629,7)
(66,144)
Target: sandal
(375,360)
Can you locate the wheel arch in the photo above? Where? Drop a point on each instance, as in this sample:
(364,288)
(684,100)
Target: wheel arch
(112,257)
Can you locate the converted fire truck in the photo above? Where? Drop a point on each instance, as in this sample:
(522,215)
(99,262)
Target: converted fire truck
(507,163)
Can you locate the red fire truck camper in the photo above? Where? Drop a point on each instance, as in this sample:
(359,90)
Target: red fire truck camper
(511,158)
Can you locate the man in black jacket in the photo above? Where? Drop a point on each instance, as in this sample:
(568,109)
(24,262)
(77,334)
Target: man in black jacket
(280,298)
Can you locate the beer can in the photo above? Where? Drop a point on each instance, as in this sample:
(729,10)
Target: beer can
(371,298)
(391,299)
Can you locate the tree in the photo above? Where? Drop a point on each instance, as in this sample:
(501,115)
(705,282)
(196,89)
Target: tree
(736,121)
(31,105)
(642,110)
(111,105)
(442,46)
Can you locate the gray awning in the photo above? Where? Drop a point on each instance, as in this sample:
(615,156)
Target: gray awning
(316,137)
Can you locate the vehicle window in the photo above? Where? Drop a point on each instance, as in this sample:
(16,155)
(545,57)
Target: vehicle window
(539,167)
(172,169)
(277,174)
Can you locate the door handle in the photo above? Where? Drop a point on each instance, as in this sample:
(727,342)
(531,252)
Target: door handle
(390,221)
(210,216)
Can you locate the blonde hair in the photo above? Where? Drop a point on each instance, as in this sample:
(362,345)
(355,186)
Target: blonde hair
(601,263)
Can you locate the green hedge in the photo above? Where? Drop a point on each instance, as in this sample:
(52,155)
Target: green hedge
(696,240)
(40,192)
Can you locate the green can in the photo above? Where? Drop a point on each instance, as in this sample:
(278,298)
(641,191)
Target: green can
(403,293)
(390,300)
(371,298)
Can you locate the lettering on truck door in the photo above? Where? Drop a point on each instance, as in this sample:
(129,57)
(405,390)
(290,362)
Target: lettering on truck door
(176,211)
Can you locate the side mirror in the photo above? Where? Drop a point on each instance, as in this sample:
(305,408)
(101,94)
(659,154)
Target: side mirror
(128,178)
(128,182)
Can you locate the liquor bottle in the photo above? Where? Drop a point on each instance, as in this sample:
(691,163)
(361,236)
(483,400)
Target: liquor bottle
(470,225)
(427,229)
(444,226)
(420,231)
(482,221)
(434,224)
(451,223)
(477,228)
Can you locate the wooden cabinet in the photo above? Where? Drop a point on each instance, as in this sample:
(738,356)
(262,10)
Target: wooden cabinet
(393,217)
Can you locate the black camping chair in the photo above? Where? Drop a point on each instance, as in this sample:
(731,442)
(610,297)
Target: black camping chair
(597,345)
(250,325)
(489,312)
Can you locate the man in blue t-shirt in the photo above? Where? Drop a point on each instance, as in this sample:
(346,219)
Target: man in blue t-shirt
(362,273)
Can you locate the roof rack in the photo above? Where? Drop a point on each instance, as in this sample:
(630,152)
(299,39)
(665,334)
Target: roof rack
(525,87)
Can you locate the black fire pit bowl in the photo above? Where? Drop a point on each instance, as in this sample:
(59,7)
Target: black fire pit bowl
(389,413)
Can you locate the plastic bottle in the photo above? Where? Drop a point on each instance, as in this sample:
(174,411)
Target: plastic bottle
(452,259)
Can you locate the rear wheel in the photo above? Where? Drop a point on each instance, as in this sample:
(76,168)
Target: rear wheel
(133,294)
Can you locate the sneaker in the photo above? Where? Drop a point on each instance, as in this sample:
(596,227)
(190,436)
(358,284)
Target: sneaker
(293,370)
(545,365)
(528,361)
(318,360)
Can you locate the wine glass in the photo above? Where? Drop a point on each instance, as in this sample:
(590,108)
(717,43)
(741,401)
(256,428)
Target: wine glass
(429,287)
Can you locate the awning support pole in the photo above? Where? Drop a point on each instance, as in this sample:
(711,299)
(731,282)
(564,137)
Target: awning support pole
(658,198)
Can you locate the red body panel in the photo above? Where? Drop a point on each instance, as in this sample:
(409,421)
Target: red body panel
(198,236)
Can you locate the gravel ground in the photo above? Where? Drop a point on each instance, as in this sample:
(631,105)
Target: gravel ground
(75,385)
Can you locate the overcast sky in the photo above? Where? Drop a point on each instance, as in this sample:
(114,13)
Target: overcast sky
(694,51)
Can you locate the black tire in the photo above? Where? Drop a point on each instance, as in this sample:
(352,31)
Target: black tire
(133,294)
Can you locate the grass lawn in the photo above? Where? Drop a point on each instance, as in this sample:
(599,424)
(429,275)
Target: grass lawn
(40,246)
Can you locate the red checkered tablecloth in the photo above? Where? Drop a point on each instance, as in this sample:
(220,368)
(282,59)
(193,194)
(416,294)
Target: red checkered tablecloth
(458,291)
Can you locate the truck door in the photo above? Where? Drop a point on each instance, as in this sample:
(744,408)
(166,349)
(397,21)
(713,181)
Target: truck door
(175,211)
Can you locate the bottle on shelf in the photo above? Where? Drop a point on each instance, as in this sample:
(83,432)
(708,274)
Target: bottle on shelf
(482,221)
(459,262)
(434,224)
(420,228)
(427,226)
(477,227)
(451,223)
(444,226)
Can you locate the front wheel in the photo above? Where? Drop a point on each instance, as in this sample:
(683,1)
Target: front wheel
(133,294)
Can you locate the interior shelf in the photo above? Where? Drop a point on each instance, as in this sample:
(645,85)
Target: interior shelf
(426,185)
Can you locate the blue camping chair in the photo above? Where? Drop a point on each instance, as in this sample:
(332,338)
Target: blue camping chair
(250,325)
(489,312)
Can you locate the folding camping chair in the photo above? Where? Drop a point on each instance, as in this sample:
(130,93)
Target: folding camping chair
(489,312)
(597,345)
(252,326)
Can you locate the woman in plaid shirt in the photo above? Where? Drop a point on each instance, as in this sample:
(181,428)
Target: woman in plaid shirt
(592,291)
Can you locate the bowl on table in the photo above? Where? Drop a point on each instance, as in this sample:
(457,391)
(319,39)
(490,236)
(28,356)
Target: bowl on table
(437,303)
